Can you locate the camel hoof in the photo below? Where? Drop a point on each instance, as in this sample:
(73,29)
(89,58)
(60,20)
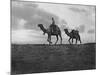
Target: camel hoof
(50,42)
(70,43)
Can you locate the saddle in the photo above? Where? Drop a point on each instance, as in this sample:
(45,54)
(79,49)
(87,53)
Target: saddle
(75,32)
(53,28)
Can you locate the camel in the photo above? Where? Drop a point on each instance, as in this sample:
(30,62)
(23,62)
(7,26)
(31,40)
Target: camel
(74,34)
(56,33)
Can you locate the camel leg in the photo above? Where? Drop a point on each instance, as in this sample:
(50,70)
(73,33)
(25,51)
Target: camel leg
(79,39)
(76,41)
(49,39)
(60,39)
(69,40)
(57,39)
(72,40)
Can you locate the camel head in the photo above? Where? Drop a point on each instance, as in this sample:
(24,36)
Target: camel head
(66,30)
(42,28)
(40,25)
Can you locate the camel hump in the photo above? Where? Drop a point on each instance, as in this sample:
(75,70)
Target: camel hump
(54,28)
(75,31)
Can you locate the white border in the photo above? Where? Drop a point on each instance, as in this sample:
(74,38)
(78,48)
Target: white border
(5,37)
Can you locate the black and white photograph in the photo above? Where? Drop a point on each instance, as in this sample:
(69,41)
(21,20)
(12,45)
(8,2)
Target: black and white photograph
(52,37)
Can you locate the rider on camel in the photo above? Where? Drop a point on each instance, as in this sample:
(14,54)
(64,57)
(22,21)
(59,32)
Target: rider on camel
(53,26)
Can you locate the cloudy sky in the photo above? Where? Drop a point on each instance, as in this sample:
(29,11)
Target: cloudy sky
(26,15)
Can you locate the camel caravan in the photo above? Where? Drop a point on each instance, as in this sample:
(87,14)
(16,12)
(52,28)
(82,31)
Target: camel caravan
(54,30)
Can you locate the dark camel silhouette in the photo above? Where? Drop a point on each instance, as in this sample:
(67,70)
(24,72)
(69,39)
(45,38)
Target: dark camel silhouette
(56,33)
(74,34)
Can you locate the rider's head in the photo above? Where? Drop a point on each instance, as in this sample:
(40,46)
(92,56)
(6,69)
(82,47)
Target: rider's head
(53,21)
(52,18)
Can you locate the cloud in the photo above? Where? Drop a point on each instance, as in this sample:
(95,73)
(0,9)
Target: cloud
(81,28)
(85,10)
(18,23)
(32,14)
(20,3)
(22,11)
(76,9)
(81,10)
(22,22)
(91,31)
(62,24)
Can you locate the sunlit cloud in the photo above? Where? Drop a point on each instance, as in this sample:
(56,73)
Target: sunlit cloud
(23,36)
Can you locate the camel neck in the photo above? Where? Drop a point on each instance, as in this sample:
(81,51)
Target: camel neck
(68,33)
(43,29)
